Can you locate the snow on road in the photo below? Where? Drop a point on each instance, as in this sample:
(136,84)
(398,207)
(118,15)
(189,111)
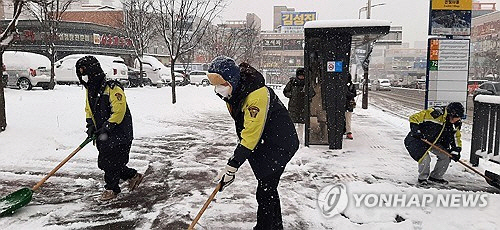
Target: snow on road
(181,147)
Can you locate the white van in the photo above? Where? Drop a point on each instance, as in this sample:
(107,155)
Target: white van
(155,70)
(113,67)
(382,84)
(26,70)
(198,77)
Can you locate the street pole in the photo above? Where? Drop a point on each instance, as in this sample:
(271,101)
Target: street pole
(365,64)
(368,9)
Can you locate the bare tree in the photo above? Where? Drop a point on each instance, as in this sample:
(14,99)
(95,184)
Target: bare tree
(183,23)
(222,41)
(251,45)
(240,43)
(139,26)
(5,40)
(49,14)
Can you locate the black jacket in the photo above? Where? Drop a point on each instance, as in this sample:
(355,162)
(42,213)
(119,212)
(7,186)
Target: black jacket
(434,124)
(266,132)
(108,107)
(295,90)
(351,94)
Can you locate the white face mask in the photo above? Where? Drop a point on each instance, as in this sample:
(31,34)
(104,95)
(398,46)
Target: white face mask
(223,91)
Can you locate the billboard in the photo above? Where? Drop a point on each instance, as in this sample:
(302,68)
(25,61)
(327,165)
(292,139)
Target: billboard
(290,18)
(450,17)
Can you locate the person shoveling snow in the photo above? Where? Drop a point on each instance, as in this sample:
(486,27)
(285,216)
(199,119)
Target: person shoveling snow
(267,136)
(108,117)
(441,126)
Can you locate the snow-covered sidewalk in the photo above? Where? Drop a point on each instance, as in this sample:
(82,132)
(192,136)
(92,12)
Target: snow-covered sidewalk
(181,147)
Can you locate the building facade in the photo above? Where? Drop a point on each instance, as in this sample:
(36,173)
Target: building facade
(485,43)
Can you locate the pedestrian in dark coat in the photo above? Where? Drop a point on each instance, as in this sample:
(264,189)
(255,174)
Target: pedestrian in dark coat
(108,117)
(265,130)
(441,126)
(295,89)
(349,107)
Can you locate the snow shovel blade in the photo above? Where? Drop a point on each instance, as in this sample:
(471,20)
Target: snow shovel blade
(14,201)
(494,179)
(23,196)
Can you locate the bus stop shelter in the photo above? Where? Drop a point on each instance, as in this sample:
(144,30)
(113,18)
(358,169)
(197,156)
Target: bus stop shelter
(327,53)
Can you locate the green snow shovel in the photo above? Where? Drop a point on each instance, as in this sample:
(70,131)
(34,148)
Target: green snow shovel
(490,177)
(22,197)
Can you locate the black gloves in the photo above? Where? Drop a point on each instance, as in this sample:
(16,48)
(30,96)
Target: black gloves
(90,130)
(415,131)
(455,153)
(455,156)
(456,149)
(101,133)
(90,127)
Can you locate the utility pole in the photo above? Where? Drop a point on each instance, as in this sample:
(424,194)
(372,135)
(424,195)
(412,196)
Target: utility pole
(366,62)
(368,9)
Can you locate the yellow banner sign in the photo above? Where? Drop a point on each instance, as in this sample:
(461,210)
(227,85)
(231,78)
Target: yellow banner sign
(451,4)
(296,18)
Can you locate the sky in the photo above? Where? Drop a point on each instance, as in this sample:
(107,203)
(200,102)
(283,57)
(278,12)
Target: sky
(411,14)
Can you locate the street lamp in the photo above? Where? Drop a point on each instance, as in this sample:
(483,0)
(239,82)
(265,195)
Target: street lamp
(366,62)
(364,8)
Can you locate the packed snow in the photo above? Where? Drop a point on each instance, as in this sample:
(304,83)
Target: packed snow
(181,147)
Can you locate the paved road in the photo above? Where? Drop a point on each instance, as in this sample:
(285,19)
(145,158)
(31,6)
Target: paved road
(410,99)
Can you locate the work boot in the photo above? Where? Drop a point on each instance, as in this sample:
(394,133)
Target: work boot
(349,136)
(422,182)
(108,195)
(134,181)
(439,181)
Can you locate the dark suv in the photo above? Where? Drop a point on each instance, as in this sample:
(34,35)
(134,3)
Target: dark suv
(488,88)
(134,78)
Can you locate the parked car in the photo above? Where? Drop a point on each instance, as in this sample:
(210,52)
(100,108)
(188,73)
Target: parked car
(488,88)
(134,78)
(113,67)
(472,85)
(26,70)
(362,84)
(417,84)
(199,78)
(381,84)
(155,70)
(186,79)
(65,71)
(179,79)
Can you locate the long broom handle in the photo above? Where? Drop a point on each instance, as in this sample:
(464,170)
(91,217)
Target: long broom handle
(205,206)
(461,162)
(89,139)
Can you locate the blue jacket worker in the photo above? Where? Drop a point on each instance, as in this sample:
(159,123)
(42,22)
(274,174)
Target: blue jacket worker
(267,136)
(440,126)
(108,117)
